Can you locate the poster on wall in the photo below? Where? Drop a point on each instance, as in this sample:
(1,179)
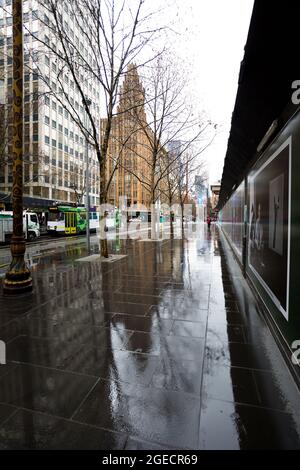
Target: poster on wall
(269,225)
(238,218)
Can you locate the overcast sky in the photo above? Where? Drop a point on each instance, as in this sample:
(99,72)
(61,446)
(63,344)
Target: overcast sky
(212,37)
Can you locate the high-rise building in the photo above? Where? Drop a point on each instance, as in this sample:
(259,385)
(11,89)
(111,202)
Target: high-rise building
(54,147)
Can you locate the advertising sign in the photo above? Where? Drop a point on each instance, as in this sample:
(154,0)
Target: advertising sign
(269,225)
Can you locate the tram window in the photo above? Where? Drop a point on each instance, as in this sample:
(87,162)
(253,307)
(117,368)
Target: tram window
(54,216)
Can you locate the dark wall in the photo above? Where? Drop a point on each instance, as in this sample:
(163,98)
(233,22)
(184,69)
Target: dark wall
(273,234)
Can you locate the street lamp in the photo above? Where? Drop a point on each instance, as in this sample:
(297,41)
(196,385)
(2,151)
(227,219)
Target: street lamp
(18,278)
(87,175)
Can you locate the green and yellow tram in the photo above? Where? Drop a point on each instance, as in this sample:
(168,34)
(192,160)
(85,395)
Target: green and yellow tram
(68,220)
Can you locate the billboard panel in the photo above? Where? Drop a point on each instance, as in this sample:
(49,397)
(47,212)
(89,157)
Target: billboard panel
(269,225)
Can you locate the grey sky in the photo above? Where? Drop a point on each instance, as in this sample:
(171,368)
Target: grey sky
(212,37)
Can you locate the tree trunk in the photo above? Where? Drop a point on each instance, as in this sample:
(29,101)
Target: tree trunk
(182,221)
(103,200)
(153,210)
(171,220)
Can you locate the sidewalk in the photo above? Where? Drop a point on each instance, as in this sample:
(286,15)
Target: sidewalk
(163,349)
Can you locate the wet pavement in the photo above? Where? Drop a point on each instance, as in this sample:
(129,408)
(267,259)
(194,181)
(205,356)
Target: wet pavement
(162,349)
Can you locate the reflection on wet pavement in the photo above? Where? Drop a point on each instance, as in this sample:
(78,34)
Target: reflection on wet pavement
(153,351)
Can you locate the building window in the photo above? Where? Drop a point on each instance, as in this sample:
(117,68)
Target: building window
(35,138)
(60,127)
(47,60)
(53,105)
(35,117)
(53,124)
(47,100)
(47,140)
(53,143)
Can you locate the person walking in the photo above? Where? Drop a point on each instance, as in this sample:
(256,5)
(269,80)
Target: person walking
(208,220)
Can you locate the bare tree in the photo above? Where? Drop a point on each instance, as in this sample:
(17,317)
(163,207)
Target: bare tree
(171,127)
(179,182)
(116,33)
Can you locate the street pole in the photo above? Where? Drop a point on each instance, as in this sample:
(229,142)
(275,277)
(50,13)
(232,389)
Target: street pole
(87,182)
(18,278)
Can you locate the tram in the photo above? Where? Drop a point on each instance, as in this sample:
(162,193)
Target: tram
(68,220)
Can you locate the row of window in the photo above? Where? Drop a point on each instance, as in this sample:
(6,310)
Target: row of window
(59,108)
(60,128)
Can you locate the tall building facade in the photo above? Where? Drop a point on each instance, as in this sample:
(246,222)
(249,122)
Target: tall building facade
(54,147)
(129,147)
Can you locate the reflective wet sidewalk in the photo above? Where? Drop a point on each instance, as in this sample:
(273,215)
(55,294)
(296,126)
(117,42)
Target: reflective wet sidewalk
(162,349)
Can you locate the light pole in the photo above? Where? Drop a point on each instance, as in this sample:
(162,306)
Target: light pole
(18,278)
(87,176)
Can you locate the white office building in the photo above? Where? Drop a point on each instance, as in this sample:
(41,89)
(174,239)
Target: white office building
(54,146)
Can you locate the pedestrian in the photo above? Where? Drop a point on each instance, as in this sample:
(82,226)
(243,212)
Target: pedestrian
(208,220)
